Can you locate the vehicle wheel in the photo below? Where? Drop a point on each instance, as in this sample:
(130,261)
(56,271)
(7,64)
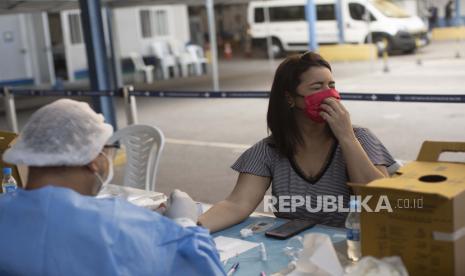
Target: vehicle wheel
(277,48)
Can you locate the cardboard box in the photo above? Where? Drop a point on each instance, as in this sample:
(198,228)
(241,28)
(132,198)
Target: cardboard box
(426,227)
(6,138)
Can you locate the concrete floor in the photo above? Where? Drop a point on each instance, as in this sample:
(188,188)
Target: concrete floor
(205,136)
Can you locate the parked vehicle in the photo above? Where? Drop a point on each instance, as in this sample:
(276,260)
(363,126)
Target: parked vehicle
(364,20)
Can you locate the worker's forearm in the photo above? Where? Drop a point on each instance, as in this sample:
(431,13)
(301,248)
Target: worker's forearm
(359,167)
(222,215)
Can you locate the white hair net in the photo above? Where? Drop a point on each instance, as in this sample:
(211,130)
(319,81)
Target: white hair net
(63,133)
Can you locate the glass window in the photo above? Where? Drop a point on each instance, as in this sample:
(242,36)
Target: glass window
(259,15)
(325,12)
(161,23)
(289,13)
(357,12)
(75,28)
(390,9)
(154,23)
(145,23)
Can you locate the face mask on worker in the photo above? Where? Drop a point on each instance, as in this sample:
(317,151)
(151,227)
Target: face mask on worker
(110,172)
(314,101)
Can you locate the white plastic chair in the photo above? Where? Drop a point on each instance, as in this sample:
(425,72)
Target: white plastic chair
(140,66)
(161,49)
(184,58)
(199,58)
(144,146)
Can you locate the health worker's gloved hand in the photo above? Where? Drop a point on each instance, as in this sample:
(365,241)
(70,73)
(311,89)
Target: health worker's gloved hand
(182,209)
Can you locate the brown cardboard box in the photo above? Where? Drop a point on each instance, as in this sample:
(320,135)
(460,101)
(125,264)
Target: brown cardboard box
(426,227)
(5,140)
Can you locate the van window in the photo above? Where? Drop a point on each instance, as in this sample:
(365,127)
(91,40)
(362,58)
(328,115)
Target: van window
(357,12)
(288,13)
(390,9)
(295,13)
(325,12)
(259,15)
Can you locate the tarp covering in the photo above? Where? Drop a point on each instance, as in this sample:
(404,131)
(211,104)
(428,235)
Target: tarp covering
(26,6)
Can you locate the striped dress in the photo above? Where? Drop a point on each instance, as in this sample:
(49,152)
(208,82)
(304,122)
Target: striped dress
(263,159)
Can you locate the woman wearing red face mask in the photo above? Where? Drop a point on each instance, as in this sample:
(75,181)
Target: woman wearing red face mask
(312,152)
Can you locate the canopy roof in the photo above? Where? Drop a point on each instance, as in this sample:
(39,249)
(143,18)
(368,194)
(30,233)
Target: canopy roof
(27,6)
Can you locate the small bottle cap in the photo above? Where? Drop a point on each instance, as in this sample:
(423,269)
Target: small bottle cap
(246,232)
(7,171)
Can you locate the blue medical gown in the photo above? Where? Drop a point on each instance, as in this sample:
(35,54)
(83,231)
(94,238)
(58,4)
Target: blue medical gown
(56,231)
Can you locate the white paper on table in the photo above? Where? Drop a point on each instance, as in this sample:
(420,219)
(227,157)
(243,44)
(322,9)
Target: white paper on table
(230,247)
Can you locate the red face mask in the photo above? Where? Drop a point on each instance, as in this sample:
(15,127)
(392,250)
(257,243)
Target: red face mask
(313,102)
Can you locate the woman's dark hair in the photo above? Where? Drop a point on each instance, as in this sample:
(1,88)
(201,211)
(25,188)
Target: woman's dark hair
(285,133)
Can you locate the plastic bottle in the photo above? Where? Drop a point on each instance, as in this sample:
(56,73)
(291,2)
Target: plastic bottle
(8,183)
(353,232)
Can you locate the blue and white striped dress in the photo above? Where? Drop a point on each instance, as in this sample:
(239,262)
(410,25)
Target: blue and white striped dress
(263,159)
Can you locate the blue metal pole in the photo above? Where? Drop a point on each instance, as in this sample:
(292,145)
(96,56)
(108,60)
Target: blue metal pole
(458,18)
(210,5)
(310,12)
(92,26)
(340,21)
(115,64)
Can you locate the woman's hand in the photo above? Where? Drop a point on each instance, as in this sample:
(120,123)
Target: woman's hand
(338,118)
(359,167)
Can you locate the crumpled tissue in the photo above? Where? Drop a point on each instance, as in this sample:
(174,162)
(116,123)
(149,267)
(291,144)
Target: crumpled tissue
(370,266)
(318,257)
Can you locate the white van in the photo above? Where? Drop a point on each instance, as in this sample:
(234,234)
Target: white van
(288,27)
